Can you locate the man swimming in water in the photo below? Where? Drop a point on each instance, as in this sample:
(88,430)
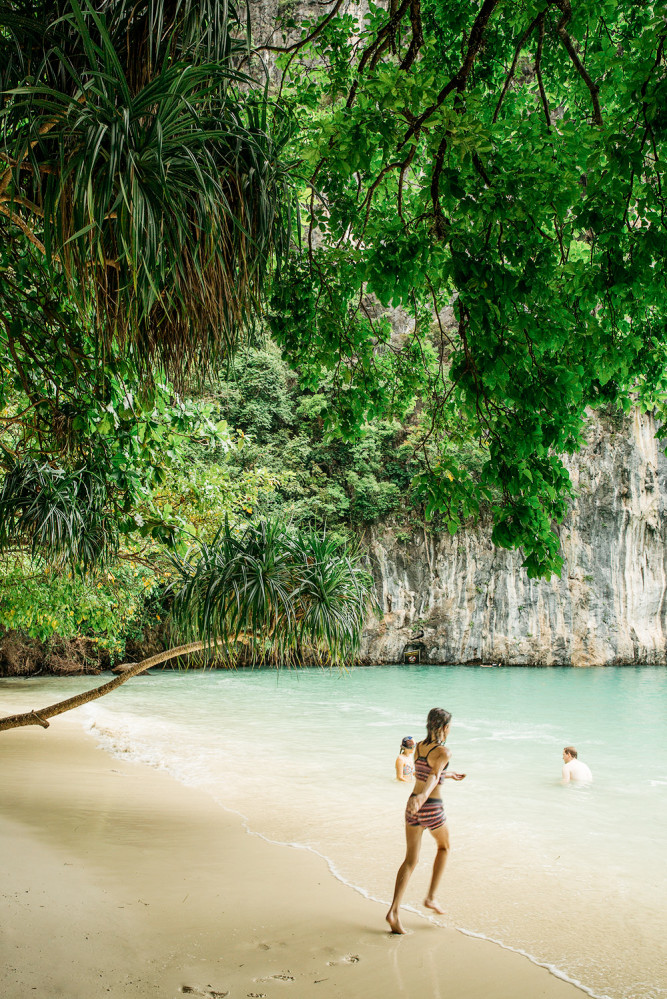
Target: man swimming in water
(573,768)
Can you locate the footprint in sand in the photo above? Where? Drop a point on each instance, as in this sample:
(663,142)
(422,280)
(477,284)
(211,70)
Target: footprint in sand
(348,959)
(208,993)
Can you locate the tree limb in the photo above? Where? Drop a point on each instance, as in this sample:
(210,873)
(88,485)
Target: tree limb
(417,39)
(40,718)
(303,41)
(459,81)
(517,52)
(23,226)
(538,71)
(566,7)
(382,38)
(17,199)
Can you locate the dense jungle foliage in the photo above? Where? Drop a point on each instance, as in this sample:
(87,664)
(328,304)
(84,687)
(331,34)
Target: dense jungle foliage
(377,269)
(505,160)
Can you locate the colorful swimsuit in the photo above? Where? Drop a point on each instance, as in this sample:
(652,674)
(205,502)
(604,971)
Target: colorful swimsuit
(432,813)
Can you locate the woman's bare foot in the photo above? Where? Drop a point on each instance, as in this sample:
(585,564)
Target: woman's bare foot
(394,922)
(431,903)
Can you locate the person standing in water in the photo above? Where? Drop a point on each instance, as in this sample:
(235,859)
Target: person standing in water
(425,810)
(404,761)
(573,768)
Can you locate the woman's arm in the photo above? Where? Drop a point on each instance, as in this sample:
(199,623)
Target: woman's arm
(416,802)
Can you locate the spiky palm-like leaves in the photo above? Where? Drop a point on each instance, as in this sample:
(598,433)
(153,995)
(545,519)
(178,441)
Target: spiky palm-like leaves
(63,515)
(139,161)
(333,593)
(275,592)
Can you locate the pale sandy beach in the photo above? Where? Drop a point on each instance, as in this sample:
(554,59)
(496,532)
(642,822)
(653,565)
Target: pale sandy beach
(118,881)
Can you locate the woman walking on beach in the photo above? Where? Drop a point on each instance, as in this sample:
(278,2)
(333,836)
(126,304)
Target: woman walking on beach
(425,811)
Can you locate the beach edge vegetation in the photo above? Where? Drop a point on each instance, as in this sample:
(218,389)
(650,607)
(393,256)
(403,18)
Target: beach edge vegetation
(279,594)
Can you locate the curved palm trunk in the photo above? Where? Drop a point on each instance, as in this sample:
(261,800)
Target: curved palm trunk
(40,717)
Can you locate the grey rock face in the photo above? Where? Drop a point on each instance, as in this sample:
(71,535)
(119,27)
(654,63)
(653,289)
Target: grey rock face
(474,603)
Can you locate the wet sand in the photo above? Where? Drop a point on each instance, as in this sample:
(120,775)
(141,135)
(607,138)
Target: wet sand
(119,882)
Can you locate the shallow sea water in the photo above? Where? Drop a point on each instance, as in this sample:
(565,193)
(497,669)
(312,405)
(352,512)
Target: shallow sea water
(574,876)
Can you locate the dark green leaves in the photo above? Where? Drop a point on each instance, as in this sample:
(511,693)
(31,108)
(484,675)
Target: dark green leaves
(64,516)
(499,166)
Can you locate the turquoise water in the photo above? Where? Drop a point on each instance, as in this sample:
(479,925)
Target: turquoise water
(575,876)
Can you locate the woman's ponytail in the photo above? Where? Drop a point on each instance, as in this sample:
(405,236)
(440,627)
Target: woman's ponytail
(437,719)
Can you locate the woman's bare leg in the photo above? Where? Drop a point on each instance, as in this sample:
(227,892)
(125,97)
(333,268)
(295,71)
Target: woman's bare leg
(413,839)
(441,837)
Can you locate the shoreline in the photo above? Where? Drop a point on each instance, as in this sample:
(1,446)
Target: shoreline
(422,915)
(122,882)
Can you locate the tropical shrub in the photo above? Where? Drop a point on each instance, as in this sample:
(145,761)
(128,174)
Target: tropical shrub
(273,592)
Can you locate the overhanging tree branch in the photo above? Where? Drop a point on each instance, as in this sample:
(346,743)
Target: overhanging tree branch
(459,81)
(40,717)
(517,52)
(566,8)
(303,41)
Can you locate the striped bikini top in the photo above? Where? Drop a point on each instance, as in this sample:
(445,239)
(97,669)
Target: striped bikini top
(423,769)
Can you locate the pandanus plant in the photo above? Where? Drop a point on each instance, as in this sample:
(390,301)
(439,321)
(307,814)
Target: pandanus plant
(276,592)
(63,514)
(141,164)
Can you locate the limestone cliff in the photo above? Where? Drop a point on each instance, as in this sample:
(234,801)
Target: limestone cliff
(473,602)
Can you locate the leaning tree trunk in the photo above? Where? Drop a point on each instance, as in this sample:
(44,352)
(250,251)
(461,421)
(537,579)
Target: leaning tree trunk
(40,717)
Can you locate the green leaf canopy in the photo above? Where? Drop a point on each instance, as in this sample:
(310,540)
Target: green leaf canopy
(495,171)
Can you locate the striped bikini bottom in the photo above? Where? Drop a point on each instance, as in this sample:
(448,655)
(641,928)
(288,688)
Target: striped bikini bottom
(431,815)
